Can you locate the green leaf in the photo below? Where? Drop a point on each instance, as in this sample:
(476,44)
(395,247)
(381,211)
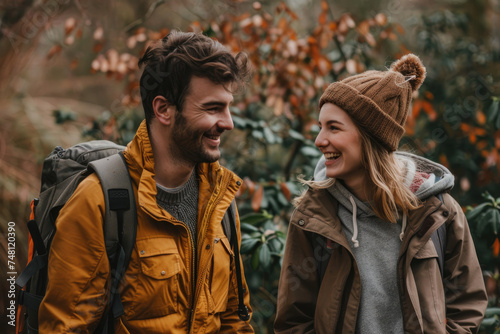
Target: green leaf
(257,134)
(489,322)
(496,220)
(488,196)
(275,245)
(493,111)
(487,220)
(247,228)
(255,218)
(296,135)
(255,259)
(310,152)
(265,256)
(269,135)
(474,213)
(239,122)
(248,244)
(492,311)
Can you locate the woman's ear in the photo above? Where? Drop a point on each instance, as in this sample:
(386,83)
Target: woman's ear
(164,110)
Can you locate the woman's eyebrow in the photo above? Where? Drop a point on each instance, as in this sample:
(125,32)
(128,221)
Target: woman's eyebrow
(332,121)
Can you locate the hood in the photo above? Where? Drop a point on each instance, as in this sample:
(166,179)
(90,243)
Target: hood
(424,177)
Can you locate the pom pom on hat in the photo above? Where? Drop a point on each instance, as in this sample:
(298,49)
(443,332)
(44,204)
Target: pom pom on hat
(411,68)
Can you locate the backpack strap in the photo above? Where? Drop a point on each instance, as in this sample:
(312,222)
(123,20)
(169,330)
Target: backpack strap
(120,226)
(439,237)
(229,226)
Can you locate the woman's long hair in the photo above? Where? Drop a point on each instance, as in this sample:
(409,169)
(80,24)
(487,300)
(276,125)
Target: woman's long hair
(386,172)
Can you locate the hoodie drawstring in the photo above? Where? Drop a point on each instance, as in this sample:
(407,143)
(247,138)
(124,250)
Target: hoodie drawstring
(403,228)
(354,223)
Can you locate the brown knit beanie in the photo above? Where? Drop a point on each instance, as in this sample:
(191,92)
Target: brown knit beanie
(379,101)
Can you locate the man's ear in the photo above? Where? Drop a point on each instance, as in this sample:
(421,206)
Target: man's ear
(164,110)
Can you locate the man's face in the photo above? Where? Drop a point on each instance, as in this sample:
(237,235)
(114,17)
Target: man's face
(205,116)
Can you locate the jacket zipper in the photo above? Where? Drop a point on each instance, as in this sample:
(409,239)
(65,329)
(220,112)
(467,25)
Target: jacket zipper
(197,289)
(193,276)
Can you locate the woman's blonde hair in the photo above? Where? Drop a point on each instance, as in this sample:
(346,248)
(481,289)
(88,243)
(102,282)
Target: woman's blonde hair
(390,194)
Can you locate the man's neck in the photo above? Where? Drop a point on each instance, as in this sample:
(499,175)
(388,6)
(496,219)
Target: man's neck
(169,171)
(170,174)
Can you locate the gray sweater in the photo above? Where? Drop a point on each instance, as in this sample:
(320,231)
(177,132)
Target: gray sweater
(375,243)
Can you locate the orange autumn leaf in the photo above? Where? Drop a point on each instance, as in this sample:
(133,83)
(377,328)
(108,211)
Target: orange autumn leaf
(294,100)
(257,198)
(54,50)
(496,247)
(481,118)
(482,145)
(250,184)
(417,106)
(472,138)
(429,110)
(480,131)
(322,18)
(282,24)
(286,191)
(443,160)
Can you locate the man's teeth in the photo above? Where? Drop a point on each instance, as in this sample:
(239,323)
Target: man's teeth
(332,155)
(215,137)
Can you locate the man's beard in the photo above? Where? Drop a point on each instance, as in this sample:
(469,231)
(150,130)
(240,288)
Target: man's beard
(187,144)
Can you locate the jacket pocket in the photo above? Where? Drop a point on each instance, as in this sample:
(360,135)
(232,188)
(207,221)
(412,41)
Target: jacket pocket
(429,284)
(220,275)
(160,265)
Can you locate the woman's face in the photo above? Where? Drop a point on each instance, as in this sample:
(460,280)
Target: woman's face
(340,142)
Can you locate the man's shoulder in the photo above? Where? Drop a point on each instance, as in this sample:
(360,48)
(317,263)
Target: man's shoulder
(89,190)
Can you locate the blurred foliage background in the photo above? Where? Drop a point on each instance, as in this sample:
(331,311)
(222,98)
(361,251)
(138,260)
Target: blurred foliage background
(68,73)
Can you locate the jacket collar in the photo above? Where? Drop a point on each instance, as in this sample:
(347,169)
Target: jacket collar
(140,160)
(317,213)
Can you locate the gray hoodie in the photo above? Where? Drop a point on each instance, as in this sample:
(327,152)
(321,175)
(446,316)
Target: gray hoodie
(375,243)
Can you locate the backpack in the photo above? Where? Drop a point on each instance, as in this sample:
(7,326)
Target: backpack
(62,171)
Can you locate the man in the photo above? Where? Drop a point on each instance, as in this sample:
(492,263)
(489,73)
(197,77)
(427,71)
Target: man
(181,277)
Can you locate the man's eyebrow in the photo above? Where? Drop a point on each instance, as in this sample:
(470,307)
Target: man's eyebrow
(215,103)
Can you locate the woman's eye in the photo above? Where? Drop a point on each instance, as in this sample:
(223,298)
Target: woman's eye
(333,128)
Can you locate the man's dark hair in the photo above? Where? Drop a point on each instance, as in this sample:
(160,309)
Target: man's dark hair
(171,62)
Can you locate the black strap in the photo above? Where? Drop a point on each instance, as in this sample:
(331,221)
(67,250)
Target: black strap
(439,238)
(30,300)
(243,313)
(36,236)
(37,263)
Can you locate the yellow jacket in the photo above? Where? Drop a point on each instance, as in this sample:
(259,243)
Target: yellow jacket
(158,292)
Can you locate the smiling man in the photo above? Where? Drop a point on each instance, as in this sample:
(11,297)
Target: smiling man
(182,274)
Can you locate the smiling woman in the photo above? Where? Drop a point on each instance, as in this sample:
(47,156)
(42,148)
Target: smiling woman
(366,223)
(340,142)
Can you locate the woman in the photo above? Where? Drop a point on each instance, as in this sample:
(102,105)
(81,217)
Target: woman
(359,256)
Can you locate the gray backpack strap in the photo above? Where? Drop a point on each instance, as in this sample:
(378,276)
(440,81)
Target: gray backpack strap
(120,227)
(120,201)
